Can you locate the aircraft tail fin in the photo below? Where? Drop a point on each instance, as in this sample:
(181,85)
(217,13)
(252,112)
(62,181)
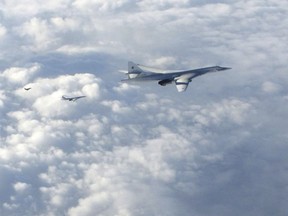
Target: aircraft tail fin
(133,70)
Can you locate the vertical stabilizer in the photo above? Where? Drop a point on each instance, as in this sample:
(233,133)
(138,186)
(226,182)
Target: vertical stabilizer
(133,70)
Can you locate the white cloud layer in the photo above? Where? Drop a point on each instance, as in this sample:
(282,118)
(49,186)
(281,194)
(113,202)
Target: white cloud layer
(217,149)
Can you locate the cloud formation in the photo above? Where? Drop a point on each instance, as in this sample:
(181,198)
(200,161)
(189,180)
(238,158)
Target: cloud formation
(217,149)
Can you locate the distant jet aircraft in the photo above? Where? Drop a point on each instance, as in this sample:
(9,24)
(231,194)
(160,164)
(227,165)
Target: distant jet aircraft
(137,72)
(27,89)
(72,98)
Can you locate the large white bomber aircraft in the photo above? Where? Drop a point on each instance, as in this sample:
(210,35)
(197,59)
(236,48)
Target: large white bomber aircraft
(137,72)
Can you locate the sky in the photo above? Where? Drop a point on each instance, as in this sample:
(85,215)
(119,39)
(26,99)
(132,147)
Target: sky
(220,148)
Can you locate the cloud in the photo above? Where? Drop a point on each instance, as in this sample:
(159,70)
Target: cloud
(20,75)
(142,149)
(17,10)
(94,163)
(270,87)
(2,99)
(20,186)
(100,5)
(3,32)
(152,4)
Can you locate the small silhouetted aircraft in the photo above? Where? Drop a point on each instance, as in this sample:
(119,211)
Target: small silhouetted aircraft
(27,89)
(72,98)
(137,72)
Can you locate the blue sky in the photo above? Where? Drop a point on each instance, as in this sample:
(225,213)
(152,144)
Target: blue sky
(217,149)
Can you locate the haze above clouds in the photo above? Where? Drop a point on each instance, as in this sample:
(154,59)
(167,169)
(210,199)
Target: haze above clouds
(217,149)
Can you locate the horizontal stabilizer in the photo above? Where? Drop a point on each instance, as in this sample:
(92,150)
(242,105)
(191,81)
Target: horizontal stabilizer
(123,71)
(133,70)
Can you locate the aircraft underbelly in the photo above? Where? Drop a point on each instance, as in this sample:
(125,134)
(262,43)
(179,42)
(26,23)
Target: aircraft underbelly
(159,77)
(153,77)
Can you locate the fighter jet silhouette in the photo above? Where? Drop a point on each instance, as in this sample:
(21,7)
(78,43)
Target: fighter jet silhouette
(69,98)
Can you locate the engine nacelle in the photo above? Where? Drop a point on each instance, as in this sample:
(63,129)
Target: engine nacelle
(165,82)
